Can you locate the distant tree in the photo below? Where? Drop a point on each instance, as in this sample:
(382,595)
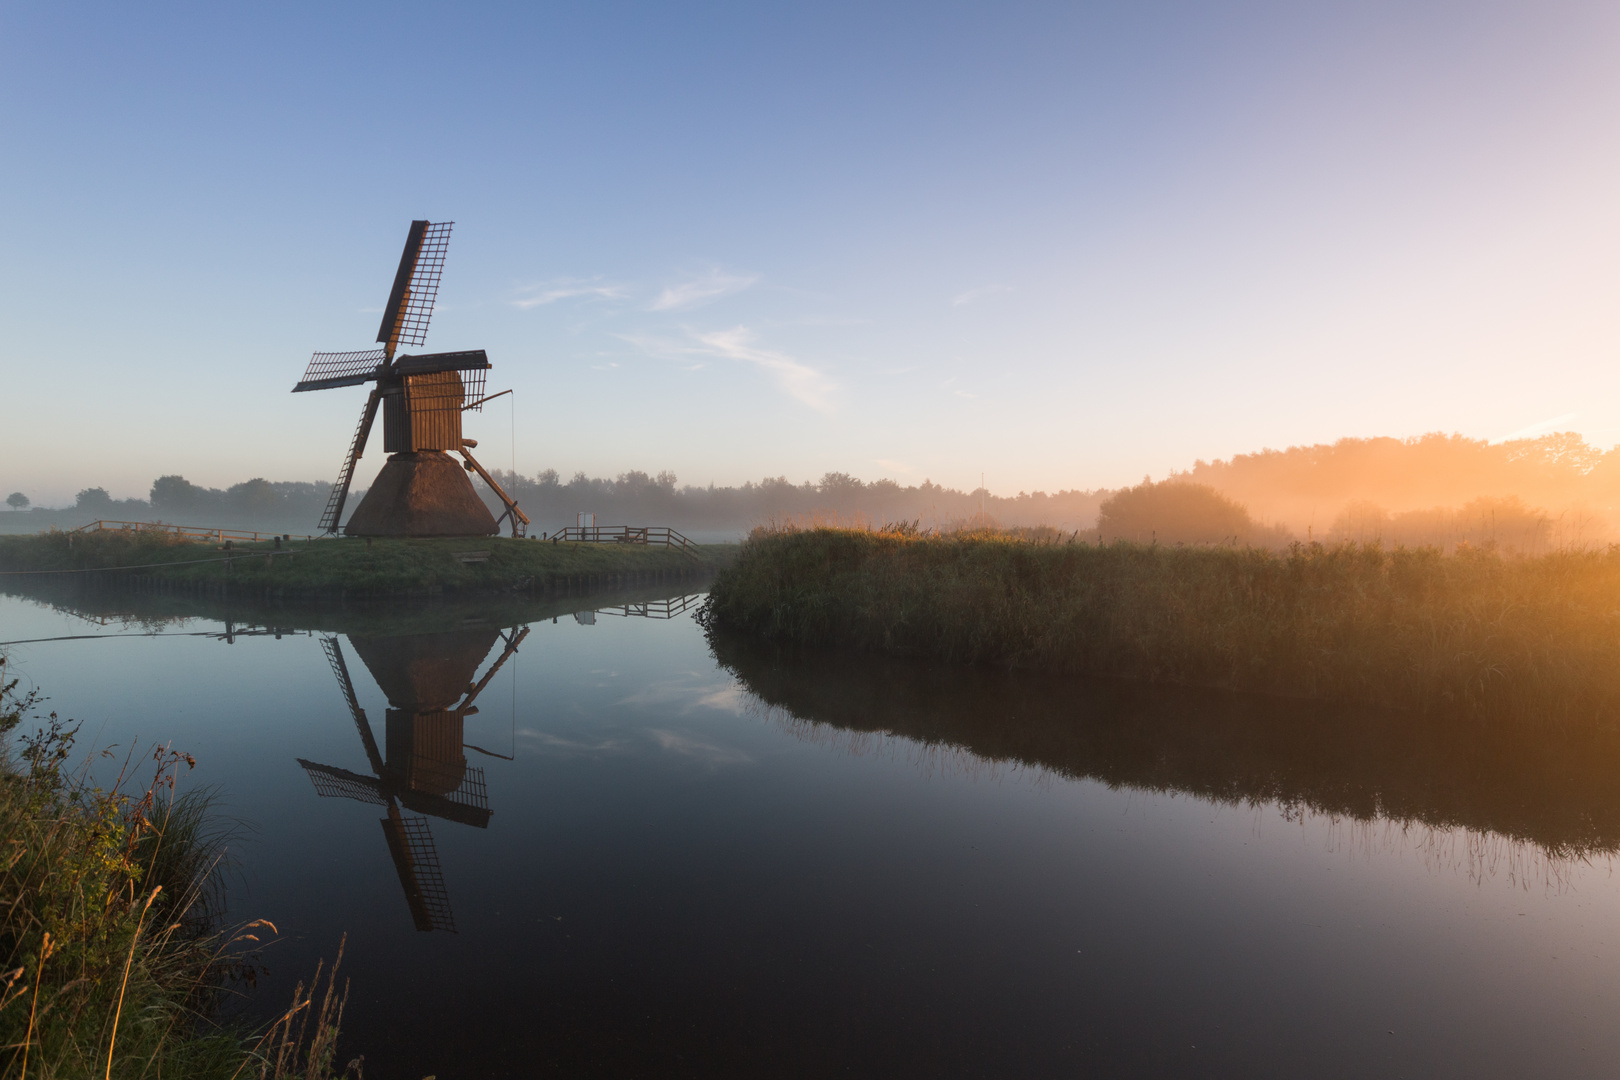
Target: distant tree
(1303,484)
(172,493)
(17,501)
(1489,523)
(837,484)
(94,501)
(256,499)
(1177,512)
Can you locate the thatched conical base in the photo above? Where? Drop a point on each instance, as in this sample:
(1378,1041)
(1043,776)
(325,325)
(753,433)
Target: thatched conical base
(426,493)
(423,672)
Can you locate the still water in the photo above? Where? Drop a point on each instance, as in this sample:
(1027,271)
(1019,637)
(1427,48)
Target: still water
(570,838)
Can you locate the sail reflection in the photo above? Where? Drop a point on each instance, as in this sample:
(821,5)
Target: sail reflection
(423,767)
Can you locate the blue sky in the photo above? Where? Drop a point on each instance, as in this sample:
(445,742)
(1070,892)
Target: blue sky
(1061,245)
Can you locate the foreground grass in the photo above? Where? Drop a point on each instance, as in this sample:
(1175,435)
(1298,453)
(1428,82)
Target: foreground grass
(355,565)
(110,943)
(1473,633)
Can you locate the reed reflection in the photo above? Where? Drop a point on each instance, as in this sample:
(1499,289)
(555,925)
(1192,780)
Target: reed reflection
(428,680)
(1554,790)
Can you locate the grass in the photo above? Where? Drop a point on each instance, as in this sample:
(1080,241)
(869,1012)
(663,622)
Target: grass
(1472,634)
(112,955)
(354,565)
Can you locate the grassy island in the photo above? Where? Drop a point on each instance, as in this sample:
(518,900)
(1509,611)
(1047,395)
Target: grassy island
(1474,633)
(351,566)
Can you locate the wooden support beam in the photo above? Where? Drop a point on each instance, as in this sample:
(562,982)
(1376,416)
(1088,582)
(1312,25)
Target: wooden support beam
(511,505)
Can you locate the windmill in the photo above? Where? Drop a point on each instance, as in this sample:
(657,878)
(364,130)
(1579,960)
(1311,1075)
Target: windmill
(428,681)
(421,490)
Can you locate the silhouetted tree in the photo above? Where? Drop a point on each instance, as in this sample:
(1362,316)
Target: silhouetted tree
(94,500)
(17,501)
(1177,512)
(174,493)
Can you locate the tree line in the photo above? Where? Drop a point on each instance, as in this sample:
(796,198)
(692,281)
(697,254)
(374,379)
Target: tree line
(1440,490)
(630,498)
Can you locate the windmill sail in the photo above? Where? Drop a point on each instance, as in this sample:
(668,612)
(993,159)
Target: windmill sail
(334,783)
(334,657)
(340,490)
(329,369)
(416,285)
(410,843)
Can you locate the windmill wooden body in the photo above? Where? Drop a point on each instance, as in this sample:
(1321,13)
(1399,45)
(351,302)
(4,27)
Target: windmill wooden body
(428,680)
(421,490)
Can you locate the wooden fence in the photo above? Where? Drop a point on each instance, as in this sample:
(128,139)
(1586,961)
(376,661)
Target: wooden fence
(190,532)
(623,534)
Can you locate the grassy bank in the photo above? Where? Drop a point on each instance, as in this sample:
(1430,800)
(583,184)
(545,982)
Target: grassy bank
(111,941)
(355,566)
(1534,639)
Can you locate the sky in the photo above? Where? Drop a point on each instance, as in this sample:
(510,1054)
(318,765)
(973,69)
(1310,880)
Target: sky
(1056,246)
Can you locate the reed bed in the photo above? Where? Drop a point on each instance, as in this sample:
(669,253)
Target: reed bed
(113,960)
(1473,633)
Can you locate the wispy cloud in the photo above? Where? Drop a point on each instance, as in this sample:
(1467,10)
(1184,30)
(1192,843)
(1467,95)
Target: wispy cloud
(556,744)
(800,380)
(708,753)
(712,695)
(698,291)
(1540,427)
(566,289)
(968,297)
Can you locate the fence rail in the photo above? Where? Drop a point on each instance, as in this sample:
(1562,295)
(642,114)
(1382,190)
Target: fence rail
(623,534)
(654,609)
(193,532)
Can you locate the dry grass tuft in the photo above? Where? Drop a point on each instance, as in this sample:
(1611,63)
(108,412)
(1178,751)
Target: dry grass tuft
(113,961)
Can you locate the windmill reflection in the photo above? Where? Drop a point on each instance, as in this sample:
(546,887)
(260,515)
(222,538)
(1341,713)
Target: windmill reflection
(428,680)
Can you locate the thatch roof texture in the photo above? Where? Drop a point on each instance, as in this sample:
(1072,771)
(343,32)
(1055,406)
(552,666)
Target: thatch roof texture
(426,493)
(425,672)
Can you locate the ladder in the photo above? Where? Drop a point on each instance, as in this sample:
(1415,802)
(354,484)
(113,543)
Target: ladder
(340,490)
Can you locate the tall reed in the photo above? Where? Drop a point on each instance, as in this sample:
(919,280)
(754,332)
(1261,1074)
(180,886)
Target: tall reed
(1535,639)
(113,956)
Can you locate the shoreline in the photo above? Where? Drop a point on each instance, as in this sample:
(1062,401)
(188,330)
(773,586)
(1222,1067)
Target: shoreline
(347,568)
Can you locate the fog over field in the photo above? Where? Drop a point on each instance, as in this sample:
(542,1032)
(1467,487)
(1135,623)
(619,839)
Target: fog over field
(1439,490)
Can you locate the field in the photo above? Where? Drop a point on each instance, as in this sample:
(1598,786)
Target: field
(1474,634)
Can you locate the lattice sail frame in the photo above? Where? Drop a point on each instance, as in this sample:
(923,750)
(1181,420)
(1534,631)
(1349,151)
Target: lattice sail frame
(472,383)
(331,783)
(328,369)
(412,326)
(431,899)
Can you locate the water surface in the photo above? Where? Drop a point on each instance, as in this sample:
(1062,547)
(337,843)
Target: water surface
(628,854)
